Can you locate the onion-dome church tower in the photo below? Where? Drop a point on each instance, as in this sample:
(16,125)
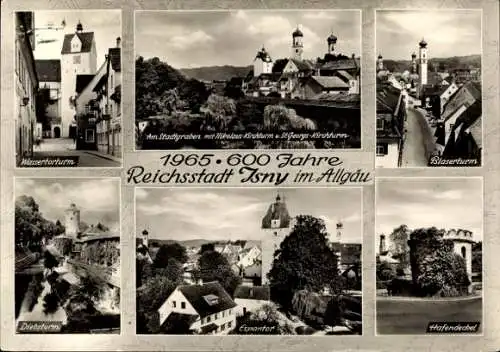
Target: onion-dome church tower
(276,225)
(332,41)
(262,63)
(297,43)
(423,62)
(380,63)
(413,63)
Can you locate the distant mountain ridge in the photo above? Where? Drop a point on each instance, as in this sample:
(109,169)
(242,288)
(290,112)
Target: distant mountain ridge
(216,73)
(440,63)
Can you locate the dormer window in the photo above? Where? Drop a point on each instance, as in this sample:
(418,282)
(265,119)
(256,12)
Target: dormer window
(211,299)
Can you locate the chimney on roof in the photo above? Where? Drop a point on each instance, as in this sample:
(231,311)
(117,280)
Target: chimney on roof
(118,42)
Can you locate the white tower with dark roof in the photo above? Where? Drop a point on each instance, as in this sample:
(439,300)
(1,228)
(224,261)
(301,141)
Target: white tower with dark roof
(78,57)
(422,62)
(263,63)
(276,225)
(297,43)
(380,63)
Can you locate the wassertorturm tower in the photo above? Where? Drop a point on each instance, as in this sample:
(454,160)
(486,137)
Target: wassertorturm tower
(78,57)
(422,62)
(276,225)
(72,220)
(297,43)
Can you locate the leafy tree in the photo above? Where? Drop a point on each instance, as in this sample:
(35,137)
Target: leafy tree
(170,251)
(50,303)
(334,312)
(436,269)
(303,261)
(213,266)
(384,271)
(172,271)
(150,296)
(207,247)
(49,261)
(156,81)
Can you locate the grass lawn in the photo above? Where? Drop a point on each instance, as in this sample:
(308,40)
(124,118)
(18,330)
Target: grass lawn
(412,317)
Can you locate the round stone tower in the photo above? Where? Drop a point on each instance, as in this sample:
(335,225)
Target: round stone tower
(72,220)
(462,245)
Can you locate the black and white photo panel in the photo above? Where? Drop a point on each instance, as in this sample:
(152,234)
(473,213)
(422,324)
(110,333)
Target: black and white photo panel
(67,255)
(68,88)
(249,261)
(429,270)
(244,79)
(429,88)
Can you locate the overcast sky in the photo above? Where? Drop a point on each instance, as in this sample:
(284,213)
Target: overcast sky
(236,213)
(446,203)
(97,198)
(447,32)
(106,25)
(193,39)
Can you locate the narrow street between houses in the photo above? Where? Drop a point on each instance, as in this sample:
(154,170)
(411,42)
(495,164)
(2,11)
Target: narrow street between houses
(415,152)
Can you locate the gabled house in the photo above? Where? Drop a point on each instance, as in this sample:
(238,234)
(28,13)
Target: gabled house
(391,115)
(460,142)
(207,308)
(464,98)
(89,103)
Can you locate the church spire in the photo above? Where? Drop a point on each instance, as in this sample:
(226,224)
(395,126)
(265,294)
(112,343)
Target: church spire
(79,27)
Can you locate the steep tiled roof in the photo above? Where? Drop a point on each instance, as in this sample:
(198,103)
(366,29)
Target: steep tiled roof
(330,82)
(261,293)
(344,64)
(387,99)
(476,131)
(344,75)
(474,88)
(114,55)
(82,81)
(302,65)
(48,70)
(86,38)
(196,295)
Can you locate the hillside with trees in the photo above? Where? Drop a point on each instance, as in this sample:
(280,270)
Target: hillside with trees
(30,224)
(439,64)
(216,73)
(161,89)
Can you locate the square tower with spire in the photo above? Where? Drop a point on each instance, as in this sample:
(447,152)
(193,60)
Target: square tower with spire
(276,225)
(78,57)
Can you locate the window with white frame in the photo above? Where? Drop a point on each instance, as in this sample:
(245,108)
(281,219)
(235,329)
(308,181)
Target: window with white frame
(382,149)
(77,59)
